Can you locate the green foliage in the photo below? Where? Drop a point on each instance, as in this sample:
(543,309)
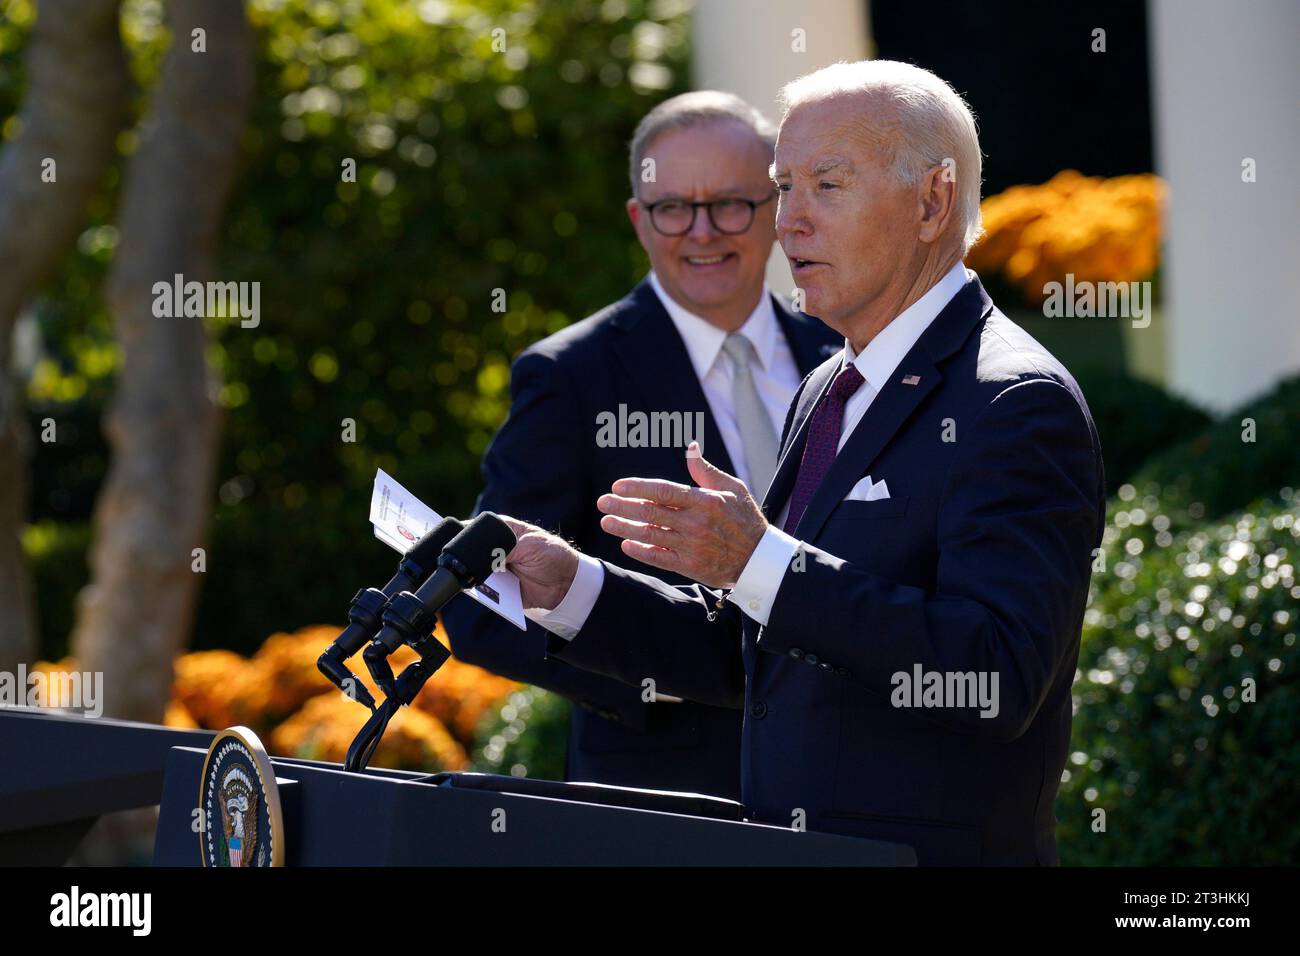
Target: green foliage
(1217,472)
(476,171)
(1187,770)
(16,17)
(1134,420)
(527,737)
(56,554)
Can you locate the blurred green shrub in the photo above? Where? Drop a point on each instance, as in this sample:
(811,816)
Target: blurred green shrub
(1134,420)
(526,737)
(1166,742)
(56,554)
(1217,472)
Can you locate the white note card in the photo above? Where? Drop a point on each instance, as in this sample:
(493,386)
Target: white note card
(400,519)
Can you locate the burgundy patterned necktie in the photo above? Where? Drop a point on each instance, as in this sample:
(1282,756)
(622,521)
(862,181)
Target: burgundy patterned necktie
(823,442)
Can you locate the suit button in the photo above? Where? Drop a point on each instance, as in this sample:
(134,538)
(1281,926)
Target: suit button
(758,710)
(827,667)
(796,653)
(842,671)
(812,659)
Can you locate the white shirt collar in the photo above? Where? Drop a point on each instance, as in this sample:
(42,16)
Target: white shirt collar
(704,340)
(878,360)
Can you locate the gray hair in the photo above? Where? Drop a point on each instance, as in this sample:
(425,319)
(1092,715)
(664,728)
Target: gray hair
(694,109)
(935,125)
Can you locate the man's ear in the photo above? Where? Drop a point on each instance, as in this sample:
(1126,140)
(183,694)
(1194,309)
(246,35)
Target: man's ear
(938,200)
(636,213)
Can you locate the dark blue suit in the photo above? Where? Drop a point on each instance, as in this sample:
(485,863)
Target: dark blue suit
(978,562)
(546,467)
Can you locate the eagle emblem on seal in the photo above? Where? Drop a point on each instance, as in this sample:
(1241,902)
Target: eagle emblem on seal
(238,801)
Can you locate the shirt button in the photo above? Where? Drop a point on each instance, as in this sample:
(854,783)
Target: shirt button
(753,605)
(812,659)
(758,710)
(796,653)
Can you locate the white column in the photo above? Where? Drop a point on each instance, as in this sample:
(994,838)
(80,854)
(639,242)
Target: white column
(753,47)
(1225,82)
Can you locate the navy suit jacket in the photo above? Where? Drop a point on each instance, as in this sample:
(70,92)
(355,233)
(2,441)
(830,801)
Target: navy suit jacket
(545,466)
(979,561)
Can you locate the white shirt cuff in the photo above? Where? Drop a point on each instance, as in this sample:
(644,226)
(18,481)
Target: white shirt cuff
(566,618)
(756,588)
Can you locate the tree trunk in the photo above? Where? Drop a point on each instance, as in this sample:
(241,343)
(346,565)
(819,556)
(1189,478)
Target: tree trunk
(163,424)
(75,104)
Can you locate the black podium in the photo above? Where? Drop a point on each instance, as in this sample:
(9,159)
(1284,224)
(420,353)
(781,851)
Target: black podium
(380,817)
(59,773)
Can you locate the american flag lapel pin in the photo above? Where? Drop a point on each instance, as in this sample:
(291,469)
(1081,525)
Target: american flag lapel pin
(911,380)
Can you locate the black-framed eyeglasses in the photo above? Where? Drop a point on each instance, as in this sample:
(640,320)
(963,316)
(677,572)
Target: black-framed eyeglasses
(730,216)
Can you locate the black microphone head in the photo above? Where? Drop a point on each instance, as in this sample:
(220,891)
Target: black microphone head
(485,538)
(424,553)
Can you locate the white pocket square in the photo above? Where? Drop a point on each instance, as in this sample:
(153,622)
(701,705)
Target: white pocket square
(866,490)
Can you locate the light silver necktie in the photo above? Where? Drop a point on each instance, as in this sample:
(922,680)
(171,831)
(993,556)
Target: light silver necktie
(756,432)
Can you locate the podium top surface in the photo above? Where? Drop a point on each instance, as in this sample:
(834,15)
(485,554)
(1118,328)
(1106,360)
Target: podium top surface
(56,767)
(385,818)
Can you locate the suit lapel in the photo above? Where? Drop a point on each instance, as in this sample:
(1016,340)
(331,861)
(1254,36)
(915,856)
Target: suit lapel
(787,467)
(654,358)
(884,417)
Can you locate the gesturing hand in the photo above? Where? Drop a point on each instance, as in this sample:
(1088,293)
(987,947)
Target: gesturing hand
(706,534)
(545,565)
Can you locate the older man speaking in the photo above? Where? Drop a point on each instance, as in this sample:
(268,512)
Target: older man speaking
(902,622)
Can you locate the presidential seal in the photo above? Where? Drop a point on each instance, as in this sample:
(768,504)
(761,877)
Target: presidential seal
(243,822)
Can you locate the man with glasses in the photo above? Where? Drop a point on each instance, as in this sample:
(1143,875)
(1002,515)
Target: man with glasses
(700,340)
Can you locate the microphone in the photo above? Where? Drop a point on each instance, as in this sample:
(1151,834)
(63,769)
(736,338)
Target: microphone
(466,560)
(368,604)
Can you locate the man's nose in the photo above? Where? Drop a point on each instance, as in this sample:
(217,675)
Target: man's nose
(702,228)
(791,217)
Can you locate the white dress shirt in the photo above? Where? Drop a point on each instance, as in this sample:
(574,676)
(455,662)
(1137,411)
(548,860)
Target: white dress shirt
(776,376)
(759,581)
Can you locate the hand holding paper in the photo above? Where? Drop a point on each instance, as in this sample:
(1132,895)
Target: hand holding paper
(400,519)
(544,563)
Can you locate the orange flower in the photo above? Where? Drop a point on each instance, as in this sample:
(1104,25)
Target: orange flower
(459,694)
(280,693)
(215,688)
(286,670)
(326,725)
(1101,230)
(177,716)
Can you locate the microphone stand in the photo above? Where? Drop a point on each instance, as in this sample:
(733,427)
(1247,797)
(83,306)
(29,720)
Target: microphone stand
(409,684)
(409,618)
(365,613)
(363,621)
